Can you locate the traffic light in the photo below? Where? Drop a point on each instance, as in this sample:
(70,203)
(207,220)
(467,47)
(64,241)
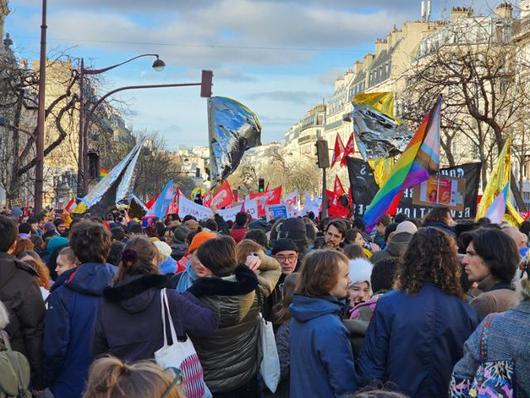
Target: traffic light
(261,185)
(322,153)
(206,83)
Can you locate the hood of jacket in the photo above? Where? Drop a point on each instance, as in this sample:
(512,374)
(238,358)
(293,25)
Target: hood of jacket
(136,293)
(91,278)
(245,281)
(9,266)
(398,244)
(304,308)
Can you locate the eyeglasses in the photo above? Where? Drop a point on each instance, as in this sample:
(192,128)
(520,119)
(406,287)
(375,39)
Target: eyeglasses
(290,257)
(177,380)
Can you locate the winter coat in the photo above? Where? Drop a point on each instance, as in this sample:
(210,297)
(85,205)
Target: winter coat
(395,248)
(230,357)
(21,295)
(269,274)
(168,266)
(282,345)
(320,351)
(70,317)
(441,226)
(129,321)
(178,250)
(507,338)
(414,340)
(496,296)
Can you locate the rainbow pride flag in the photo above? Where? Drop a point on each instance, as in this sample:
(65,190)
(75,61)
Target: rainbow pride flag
(420,159)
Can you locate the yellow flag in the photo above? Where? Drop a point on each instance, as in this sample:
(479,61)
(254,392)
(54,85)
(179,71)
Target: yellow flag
(383,102)
(80,208)
(382,169)
(496,182)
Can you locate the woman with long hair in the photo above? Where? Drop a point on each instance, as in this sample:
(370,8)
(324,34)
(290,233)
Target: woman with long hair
(423,323)
(128,323)
(43,274)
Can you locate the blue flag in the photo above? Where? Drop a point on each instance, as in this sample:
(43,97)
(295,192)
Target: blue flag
(165,198)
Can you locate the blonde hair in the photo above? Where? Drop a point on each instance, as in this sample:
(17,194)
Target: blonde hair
(109,377)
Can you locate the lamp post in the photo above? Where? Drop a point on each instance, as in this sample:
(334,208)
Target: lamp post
(41,115)
(158,65)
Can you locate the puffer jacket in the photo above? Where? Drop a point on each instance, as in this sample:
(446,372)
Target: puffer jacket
(21,295)
(230,357)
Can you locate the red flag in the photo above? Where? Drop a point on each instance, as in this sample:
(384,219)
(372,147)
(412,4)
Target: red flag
(174,206)
(349,149)
(335,207)
(337,150)
(223,196)
(207,199)
(264,199)
(338,189)
(392,209)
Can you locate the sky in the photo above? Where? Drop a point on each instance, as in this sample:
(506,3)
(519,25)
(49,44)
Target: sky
(278,57)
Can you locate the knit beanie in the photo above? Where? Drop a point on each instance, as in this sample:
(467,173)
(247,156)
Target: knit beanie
(199,239)
(163,248)
(281,245)
(180,233)
(360,270)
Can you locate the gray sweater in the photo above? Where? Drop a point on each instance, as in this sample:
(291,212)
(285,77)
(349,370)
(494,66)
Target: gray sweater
(508,338)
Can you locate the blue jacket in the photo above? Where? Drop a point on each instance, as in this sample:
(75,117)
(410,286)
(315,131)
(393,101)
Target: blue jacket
(72,309)
(413,341)
(320,351)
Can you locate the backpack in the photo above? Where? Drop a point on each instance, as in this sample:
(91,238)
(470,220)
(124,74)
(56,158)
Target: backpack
(14,371)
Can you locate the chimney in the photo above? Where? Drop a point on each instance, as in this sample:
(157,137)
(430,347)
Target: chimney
(357,67)
(461,12)
(380,45)
(368,59)
(504,10)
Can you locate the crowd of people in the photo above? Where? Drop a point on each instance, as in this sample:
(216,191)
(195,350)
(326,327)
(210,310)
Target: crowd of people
(417,308)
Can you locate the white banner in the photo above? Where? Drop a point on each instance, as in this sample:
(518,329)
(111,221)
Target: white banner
(187,206)
(312,204)
(251,207)
(230,213)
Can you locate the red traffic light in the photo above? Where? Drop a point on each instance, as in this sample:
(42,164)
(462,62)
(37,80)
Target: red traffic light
(206,83)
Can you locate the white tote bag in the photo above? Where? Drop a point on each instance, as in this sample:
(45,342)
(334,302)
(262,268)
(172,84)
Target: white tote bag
(270,363)
(181,355)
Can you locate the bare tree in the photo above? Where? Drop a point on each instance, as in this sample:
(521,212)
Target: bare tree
(471,63)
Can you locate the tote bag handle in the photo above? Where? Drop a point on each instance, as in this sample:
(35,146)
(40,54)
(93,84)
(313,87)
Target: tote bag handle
(164,305)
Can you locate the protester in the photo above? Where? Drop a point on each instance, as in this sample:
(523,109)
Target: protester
(491,260)
(230,356)
(111,378)
(417,331)
(380,231)
(134,301)
(192,271)
(507,335)
(43,274)
(72,309)
(239,229)
(266,268)
(359,289)
(21,296)
(353,251)
(23,245)
(178,245)
(285,251)
(259,236)
(321,354)
(440,217)
(334,234)
(167,264)
(398,242)
(66,260)
(281,320)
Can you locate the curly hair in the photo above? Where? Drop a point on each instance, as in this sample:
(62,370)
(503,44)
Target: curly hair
(90,242)
(430,258)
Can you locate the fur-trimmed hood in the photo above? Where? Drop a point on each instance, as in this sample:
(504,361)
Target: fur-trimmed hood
(245,282)
(135,294)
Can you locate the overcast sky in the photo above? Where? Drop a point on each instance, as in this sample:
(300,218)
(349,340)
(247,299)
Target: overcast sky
(277,57)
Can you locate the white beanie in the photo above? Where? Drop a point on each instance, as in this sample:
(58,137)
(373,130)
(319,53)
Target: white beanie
(163,248)
(360,270)
(406,226)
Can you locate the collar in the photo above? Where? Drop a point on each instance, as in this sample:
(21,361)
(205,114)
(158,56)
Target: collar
(491,283)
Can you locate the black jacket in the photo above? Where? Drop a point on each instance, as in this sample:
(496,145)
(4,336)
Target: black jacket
(22,297)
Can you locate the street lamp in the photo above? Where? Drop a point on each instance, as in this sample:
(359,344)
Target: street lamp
(158,65)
